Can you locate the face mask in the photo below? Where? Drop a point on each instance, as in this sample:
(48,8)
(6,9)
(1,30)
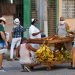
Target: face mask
(4,25)
(17,24)
(62,22)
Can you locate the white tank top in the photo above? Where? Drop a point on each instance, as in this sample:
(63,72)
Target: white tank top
(24,55)
(62,30)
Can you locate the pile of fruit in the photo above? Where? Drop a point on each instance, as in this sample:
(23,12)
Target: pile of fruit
(58,55)
(45,54)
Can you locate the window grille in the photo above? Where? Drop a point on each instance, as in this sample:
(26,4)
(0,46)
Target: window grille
(68,8)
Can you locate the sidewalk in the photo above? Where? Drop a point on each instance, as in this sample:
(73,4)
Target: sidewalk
(14,67)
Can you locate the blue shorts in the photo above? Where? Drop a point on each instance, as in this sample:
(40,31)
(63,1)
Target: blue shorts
(2,44)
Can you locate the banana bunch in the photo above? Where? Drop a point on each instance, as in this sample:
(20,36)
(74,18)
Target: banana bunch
(67,55)
(44,54)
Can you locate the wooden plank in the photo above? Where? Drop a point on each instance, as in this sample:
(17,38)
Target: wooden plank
(51,40)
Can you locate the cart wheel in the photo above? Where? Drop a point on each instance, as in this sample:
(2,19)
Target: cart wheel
(27,68)
(31,67)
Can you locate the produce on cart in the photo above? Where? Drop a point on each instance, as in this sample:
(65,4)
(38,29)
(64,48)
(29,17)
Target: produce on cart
(45,55)
(51,40)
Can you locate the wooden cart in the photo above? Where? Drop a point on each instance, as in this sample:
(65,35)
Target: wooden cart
(51,40)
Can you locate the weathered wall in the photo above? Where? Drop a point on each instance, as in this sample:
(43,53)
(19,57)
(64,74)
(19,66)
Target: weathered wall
(71,22)
(9,23)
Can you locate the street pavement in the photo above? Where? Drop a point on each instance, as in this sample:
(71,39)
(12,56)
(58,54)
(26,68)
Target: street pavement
(14,68)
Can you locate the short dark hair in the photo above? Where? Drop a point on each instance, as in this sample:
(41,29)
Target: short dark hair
(33,22)
(2,21)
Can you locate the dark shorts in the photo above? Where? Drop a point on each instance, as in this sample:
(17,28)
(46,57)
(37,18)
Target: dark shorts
(2,44)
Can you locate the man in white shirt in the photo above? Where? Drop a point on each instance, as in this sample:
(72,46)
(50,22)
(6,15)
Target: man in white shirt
(34,33)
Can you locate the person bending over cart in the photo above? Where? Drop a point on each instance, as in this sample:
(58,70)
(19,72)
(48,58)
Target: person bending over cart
(25,56)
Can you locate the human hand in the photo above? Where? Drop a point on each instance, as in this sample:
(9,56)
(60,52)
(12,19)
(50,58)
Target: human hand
(6,44)
(41,31)
(28,46)
(71,32)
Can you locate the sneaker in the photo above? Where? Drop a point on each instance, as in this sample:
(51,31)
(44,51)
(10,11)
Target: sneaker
(16,58)
(2,70)
(11,59)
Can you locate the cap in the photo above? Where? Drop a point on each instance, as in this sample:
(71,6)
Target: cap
(3,19)
(33,19)
(16,21)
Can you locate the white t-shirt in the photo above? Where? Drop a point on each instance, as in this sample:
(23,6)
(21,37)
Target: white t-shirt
(32,30)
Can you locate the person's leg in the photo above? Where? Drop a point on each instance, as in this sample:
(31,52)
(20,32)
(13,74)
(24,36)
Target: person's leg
(22,65)
(1,53)
(17,52)
(17,48)
(68,46)
(73,57)
(14,40)
(1,63)
(1,60)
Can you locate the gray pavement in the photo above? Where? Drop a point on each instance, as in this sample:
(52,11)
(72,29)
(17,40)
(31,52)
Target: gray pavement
(14,68)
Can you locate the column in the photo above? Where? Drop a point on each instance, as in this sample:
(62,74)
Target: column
(26,16)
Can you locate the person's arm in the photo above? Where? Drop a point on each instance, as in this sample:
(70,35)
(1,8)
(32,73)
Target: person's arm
(13,31)
(34,34)
(71,32)
(22,29)
(29,47)
(68,30)
(12,34)
(67,27)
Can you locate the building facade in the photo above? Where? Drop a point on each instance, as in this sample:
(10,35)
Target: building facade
(67,9)
(47,11)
